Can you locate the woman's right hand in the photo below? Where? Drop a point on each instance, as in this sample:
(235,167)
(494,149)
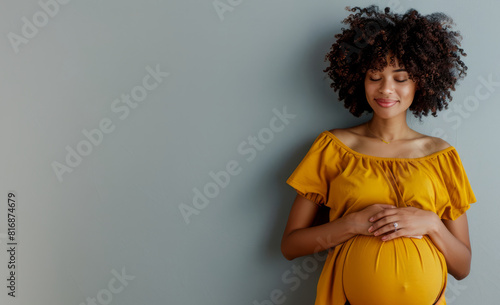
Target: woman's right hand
(359,220)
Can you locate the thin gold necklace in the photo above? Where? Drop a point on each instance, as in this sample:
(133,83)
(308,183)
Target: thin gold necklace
(369,129)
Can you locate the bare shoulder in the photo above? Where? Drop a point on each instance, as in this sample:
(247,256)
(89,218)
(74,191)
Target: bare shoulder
(355,138)
(440,144)
(349,136)
(434,144)
(340,132)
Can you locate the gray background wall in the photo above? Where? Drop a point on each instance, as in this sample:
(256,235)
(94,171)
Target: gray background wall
(107,227)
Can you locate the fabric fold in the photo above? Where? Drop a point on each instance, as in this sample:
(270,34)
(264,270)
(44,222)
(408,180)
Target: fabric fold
(346,181)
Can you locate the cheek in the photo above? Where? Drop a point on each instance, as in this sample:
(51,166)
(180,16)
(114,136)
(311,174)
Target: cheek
(370,88)
(408,92)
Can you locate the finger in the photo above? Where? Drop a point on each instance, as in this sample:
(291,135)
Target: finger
(392,236)
(383,222)
(385,206)
(381,214)
(385,229)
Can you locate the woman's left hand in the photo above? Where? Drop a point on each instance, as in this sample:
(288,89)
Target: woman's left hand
(411,222)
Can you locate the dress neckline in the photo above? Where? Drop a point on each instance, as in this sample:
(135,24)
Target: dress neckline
(352,151)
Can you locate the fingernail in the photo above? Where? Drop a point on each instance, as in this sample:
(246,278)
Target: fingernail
(370,229)
(371,219)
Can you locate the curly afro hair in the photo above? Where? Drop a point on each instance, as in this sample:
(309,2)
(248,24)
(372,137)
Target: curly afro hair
(424,45)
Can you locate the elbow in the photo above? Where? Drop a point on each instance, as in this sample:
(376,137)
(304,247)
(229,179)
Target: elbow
(461,275)
(461,271)
(286,252)
(288,257)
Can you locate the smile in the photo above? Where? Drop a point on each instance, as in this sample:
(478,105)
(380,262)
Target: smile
(385,102)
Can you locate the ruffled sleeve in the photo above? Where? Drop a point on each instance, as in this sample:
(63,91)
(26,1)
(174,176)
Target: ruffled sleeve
(311,178)
(457,195)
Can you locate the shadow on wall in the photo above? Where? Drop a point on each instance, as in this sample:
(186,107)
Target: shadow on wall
(326,100)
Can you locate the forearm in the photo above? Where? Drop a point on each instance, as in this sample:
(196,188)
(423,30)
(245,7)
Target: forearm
(457,254)
(310,240)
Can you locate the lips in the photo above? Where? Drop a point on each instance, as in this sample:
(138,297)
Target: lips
(384,102)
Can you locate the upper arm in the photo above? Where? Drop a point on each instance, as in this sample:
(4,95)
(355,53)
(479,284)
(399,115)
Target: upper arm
(459,228)
(302,214)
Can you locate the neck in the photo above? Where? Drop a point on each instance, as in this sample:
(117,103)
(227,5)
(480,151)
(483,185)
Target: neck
(388,129)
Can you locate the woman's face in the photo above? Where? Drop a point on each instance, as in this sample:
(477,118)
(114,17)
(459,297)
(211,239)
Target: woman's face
(389,92)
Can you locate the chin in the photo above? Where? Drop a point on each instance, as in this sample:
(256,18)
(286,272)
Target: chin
(386,115)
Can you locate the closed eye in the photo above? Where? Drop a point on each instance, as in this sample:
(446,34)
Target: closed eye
(399,81)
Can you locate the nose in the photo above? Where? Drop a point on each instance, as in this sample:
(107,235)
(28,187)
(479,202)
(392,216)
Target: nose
(386,86)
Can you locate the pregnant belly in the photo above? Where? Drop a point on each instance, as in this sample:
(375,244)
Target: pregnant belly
(400,271)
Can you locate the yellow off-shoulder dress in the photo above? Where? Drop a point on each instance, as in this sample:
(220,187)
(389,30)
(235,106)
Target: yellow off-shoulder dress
(365,270)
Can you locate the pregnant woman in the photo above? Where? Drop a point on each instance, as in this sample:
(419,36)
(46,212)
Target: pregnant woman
(397,198)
